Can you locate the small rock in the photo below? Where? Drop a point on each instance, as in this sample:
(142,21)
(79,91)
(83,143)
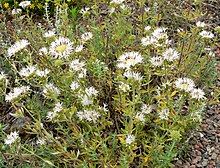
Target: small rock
(192,166)
(205,162)
(198,153)
(196,146)
(214,156)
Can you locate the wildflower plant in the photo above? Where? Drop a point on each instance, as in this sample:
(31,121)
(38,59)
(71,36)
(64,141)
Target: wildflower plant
(113,91)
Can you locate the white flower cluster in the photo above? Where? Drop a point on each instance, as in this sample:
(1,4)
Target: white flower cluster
(170,55)
(50,88)
(11,138)
(24,4)
(88,115)
(124,87)
(206,34)
(164,114)
(86,36)
(133,75)
(42,73)
(2,76)
(52,114)
(145,109)
(188,85)
(130,139)
(156,35)
(27,71)
(61,48)
(17,91)
(19,45)
(41,141)
(50,33)
(76,65)
(74,85)
(90,93)
(129,59)
(117,2)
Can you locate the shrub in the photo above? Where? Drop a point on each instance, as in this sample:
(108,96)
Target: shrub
(120,88)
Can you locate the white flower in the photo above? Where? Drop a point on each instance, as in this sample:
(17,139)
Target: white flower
(41,141)
(74,85)
(16,11)
(25,72)
(86,101)
(85,10)
(88,115)
(11,138)
(184,84)
(19,45)
(134,75)
(140,117)
(43,51)
(17,91)
(129,59)
(124,87)
(157,61)
(76,65)
(206,34)
(42,73)
(86,36)
(83,73)
(91,91)
(24,4)
(145,41)
(170,55)
(58,107)
(50,33)
(212,54)
(61,48)
(200,24)
(147,28)
(146,109)
(2,76)
(164,114)
(78,48)
(197,94)
(50,87)
(117,2)
(160,33)
(52,114)
(130,139)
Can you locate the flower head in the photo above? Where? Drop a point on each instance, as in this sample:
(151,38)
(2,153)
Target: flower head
(206,34)
(17,91)
(19,45)
(184,84)
(129,59)
(164,114)
(200,24)
(61,48)
(140,117)
(27,71)
(50,33)
(160,33)
(25,4)
(11,138)
(156,61)
(86,36)
(145,41)
(16,11)
(124,87)
(76,65)
(170,55)
(197,94)
(130,139)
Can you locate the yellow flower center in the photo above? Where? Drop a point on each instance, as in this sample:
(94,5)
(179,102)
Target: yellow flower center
(61,48)
(130,61)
